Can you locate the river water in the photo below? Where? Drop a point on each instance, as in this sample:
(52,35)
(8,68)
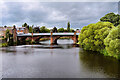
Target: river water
(63,60)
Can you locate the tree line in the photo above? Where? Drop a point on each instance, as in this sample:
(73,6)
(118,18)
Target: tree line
(44,29)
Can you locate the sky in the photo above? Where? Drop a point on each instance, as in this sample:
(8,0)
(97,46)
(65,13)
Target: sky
(51,14)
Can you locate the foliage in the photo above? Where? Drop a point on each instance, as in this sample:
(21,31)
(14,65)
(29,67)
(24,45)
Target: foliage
(68,26)
(4,44)
(65,30)
(30,29)
(7,34)
(5,26)
(61,30)
(112,42)
(111,17)
(72,30)
(92,36)
(36,30)
(24,25)
(43,29)
(54,29)
(14,26)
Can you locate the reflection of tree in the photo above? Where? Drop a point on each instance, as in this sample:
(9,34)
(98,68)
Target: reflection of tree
(97,62)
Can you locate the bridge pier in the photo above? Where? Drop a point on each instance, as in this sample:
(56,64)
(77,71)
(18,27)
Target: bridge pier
(51,37)
(75,41)
(14,35)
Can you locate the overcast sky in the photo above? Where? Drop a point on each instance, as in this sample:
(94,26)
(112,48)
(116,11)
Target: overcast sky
(57,14)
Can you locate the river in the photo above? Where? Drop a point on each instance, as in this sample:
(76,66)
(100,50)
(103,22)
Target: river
(63,60)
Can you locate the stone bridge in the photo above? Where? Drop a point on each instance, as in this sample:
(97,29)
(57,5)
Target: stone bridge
(52,36)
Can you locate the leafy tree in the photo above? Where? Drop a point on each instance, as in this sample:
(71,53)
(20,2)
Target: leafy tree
(27,26)
(24,25)
(92,36)
(61,30)
(30,29)
(54,29)
(111,17)
(36,30)
(7,33)
(14,26)
(112,42)
(5,26)
(72,30)
(68,26)
(65,30)
(43,29)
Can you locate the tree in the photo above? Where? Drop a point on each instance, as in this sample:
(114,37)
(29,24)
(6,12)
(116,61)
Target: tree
(24,25)
(43,29)
(112,43)
(54,29)
(61,30)
(27,26)
(111,17)
(72,30)
(7,35)
(36,30)
(14,26)
(68,26)
(92,36)
(65,30)
(5,26)
(30,29)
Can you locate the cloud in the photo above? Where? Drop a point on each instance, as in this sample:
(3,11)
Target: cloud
(57,14)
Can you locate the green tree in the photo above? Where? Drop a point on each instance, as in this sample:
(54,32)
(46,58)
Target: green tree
(61,30)
(43,29)
(72,30)
(68,26)
(112,43)
(24,25)
(5,26)
(54,29)
(14,26)
(111,17)
(7,34)
(30,29)
(92,36)
(36,30)
(65,30)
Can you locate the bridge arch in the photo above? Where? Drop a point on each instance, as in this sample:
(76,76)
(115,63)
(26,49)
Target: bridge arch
(52,36)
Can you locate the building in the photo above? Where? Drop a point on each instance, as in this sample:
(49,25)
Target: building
(3,31)
(22,30)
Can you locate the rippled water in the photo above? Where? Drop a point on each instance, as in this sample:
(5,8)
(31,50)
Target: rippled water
(63,60)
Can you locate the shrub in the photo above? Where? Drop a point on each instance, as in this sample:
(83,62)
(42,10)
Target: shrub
(112,42)
(92,36)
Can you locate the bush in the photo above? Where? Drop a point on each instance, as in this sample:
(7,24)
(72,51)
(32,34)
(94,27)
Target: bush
(4,44)
(111,17)
(112,42)
(61,30)
(43,29)
(92,36)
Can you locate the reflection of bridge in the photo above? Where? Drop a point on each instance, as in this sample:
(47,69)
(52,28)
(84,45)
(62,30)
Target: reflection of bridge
(52,36)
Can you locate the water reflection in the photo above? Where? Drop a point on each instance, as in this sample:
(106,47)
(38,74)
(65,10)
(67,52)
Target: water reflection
(56,61)
(96,62)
